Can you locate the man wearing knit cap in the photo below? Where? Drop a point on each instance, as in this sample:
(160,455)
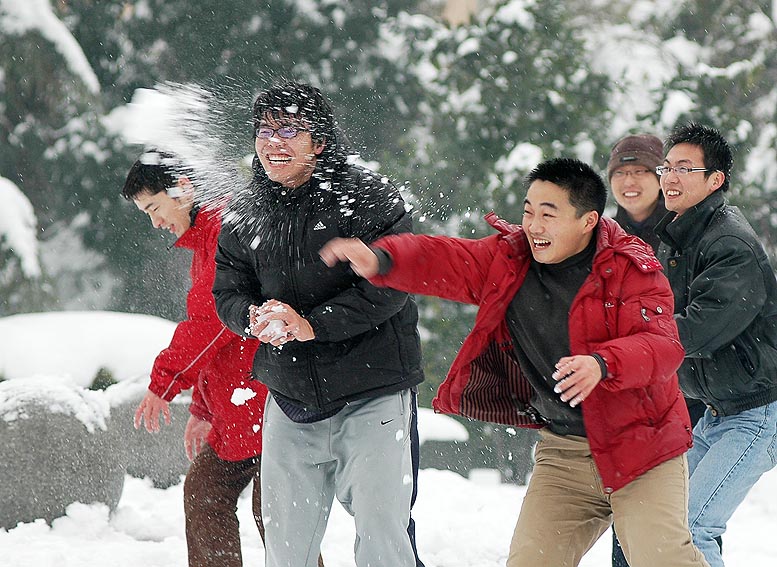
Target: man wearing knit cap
(636,188)
(634,182)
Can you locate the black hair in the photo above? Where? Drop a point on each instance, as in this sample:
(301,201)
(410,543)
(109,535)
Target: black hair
(715,149)
(155,171)
(304,102)
(586,189)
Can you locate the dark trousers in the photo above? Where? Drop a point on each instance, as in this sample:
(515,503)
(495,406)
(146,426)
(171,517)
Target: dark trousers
(695,410)
(210,495)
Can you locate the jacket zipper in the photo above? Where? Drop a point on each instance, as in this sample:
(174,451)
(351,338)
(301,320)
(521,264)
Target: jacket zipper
(301,222)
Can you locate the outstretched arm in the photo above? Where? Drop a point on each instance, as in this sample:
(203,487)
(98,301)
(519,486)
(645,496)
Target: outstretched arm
(364,262)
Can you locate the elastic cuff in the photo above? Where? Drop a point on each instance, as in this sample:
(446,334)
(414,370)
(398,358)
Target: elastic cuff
(385,262)
(602,364)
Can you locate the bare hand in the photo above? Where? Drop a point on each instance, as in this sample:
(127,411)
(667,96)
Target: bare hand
(195,436)
(576,378)
(149,410)
(294,326)
(363,261)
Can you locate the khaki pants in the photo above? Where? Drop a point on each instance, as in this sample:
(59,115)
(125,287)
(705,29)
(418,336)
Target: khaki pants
(566,510)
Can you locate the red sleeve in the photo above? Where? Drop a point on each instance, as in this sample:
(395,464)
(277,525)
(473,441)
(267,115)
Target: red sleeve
(197,339)
(451,268)
(649,338)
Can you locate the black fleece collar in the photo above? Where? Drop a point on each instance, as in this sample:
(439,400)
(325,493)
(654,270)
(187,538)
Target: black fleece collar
(681,232)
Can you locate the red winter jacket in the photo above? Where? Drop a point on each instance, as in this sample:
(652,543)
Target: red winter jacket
(205,354)
(636,418)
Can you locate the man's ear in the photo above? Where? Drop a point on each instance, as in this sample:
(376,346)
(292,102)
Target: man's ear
(591,220)
(716,180)
(319,147)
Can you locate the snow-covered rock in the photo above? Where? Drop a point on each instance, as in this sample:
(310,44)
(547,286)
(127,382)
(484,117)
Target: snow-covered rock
(158,456)
(53,450)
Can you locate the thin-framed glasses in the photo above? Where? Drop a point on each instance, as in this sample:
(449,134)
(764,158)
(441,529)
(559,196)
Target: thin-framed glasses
(679,170)
(638,173)
(285,132)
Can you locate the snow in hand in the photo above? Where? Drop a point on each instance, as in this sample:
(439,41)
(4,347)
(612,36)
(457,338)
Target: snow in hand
(274,329)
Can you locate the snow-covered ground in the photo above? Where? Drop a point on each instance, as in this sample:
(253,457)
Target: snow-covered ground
(460,522)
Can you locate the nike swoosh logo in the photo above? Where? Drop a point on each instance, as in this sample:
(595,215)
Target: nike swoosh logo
(385,422)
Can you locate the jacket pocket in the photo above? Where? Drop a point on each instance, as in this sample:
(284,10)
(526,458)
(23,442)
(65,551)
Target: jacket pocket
(654,315)
(747,353)
(730,372)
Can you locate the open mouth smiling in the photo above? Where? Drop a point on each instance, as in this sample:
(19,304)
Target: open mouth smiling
(279,159)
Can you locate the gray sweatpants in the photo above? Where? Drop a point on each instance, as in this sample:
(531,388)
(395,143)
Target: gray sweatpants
(362,456)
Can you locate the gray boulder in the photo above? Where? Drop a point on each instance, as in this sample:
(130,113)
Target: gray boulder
(158,456)
(54,450)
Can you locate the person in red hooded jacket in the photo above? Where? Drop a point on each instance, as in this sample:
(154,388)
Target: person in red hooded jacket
(223,435)
(575,336)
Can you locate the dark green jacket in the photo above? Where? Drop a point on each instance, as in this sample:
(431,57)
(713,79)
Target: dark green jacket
(725,306)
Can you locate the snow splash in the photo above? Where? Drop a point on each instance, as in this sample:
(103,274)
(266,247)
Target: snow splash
(211,132)
(208,131)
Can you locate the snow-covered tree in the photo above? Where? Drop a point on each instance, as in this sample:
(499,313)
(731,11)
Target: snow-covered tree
(20,271)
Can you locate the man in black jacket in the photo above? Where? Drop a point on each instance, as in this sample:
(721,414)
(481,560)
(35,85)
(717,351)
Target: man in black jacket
(726,311)
(637,190)
(340,357)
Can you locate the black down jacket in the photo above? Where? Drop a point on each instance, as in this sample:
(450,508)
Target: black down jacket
(366,342)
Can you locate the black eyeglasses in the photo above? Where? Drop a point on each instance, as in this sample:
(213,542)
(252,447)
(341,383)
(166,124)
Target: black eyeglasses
(680,170)
(285,132)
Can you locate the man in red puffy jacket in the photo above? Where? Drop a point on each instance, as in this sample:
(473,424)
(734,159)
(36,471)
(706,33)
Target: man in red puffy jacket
(575,336)
(223,435)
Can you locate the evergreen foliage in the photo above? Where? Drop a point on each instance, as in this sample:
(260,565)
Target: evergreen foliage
(457,115)
(102,379)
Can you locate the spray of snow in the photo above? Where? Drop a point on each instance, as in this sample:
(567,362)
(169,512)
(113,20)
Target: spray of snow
(207,132)
(210,130)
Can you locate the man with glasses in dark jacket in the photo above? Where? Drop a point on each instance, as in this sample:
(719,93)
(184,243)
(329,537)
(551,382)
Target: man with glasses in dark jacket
(726,311)
(635,185)
(340,357)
